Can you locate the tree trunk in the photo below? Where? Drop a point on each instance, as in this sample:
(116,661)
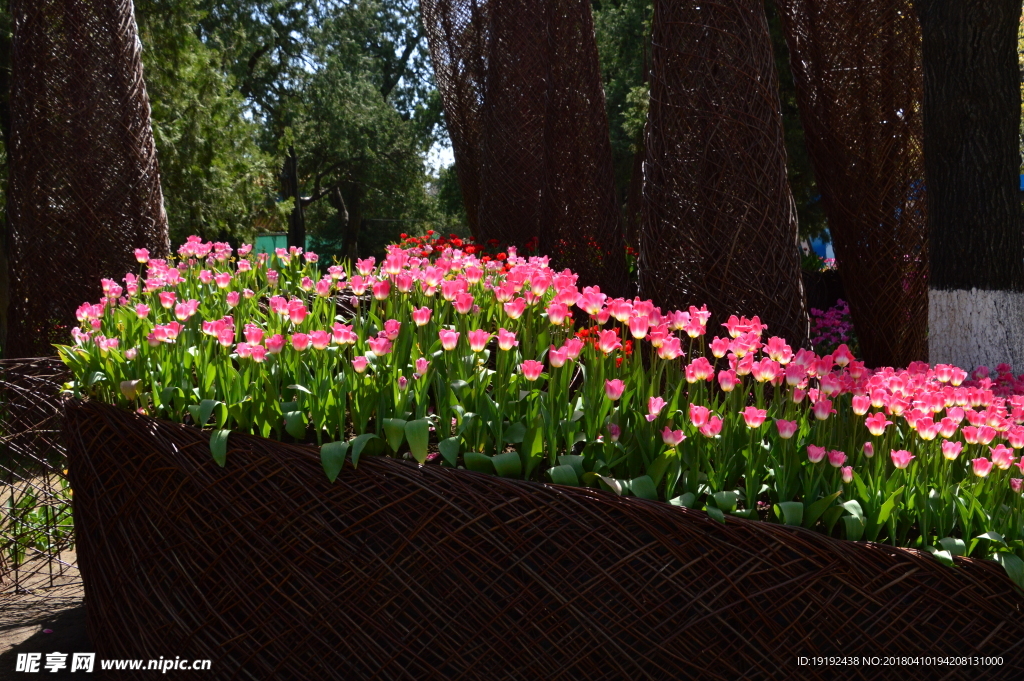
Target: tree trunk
(290,182)
(354,223)
(972,165)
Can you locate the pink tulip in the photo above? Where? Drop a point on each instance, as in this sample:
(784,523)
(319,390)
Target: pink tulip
(638,326)
(131,353)
(558,358)
(557,313)
(226,337)
(869,450)
(654,407)
(515,309)
(320,340)
(506,339)
(392,328)
(608,342)
(672,437)
(982,466)
(142,310)
(754,417)
(699,415)
(1002,457)
(360,363)
(927,429)
(233,298)
(836,458)
(379,346)
(463,303)
(142,255)
(167,299)
(1016,484)
(861,404)
(847,473)
(275,344)
(342,334)
(449,339)
(947,427)
(382,289)
(421,316)
(823,409)
(478,340)
(842,355)
(787,429)
(297,311)
(531,369)
(421,365)
(614,432)
(901,458)
(951,450)
(712,428)
(222,279)
(877,423)
(727,380)
(815,453)
(986,434)
(323,288)
(719,347)
(365,267)
(1015,437)
(670,349)
(614,388)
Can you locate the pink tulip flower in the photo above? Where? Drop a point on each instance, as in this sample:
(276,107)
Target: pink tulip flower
(463,303)
(1016,484)
(654,407)
(614,388)
(608,342)
(614,432)
(300,341)
(638,326)
(719,347)
(670,349)
(421,316)
(574,346)
(787,429)
(275,344)
(360,363)
(449,339)
(515,308)
(836,458)
(981,466)
(847,473)
(869,450)
(557,313)
(379,346)
(320,339)
(342,334)
(815,454)
(672,437)
(392,327)
(699,415)
(131,353)
(877,423)
(382,289)
(531,369)
(861,404)
(1002,457)
(506,339)
(951,450)
(712,428)
(478,339)
(754,417)
(297,311)
(142,255)
(559,357)
(233,298)
(142,310)
(727,380)
(823,409)
(901,458)
(167,299)
(421,365)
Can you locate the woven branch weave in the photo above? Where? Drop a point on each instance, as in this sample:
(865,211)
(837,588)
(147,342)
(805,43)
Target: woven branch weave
(718,218)
(32,460)
(524,103)
(403,572)
(857,67)
(84,183)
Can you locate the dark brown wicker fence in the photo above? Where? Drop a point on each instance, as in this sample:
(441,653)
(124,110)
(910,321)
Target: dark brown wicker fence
(403,572)
(857,67)
(719,223)
(522,94)
(32,464)
(84,184)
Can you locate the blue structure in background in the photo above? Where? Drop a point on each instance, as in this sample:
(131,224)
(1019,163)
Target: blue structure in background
(822,249)
(268,243)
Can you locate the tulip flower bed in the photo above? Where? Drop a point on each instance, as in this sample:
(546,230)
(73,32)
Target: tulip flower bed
(505,366)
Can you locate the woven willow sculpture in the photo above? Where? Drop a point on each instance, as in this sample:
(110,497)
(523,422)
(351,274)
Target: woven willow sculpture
(523,98)
(718,219)
(857,67)
(84,184)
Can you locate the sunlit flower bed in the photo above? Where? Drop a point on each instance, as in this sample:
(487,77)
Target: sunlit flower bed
(503,365)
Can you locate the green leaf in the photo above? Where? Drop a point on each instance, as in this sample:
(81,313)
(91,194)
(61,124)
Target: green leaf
(1013,565)
(95,377)
(394,429)
(332,456)
(854,527)
(219,446)
(888,506)
(508,464)
(954,545)
(450,450)
(814,511)
(853,507)
(532,445)
(658,467)
(358,444)
(295,424)
(481,463)
(301,388)
(790,512)
(858,482)
(613,485)
(574,460)
(686,500)
(643,487)
(831,516)
(563,475)
(515,433)
(715,512)
(418,435)
(993,537)
(726,501)
(944,557)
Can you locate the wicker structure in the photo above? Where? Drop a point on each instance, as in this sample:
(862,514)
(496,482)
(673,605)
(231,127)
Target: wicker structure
(403,572)
(857,67)
(84,184)
(522,94)
(32,464)
(718,218)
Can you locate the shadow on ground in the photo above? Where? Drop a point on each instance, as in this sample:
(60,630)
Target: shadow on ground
(68,636)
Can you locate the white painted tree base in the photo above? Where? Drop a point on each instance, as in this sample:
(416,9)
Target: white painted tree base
(971,328)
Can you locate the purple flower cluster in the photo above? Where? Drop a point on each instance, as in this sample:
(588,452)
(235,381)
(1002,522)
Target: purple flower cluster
(832,328)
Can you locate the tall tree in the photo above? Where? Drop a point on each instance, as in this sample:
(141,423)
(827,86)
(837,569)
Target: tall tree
(972,111)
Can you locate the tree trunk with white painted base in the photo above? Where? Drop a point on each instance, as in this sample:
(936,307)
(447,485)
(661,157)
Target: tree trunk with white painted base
(971,122)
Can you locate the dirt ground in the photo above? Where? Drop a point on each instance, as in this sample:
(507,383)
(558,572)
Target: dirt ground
(41,618)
